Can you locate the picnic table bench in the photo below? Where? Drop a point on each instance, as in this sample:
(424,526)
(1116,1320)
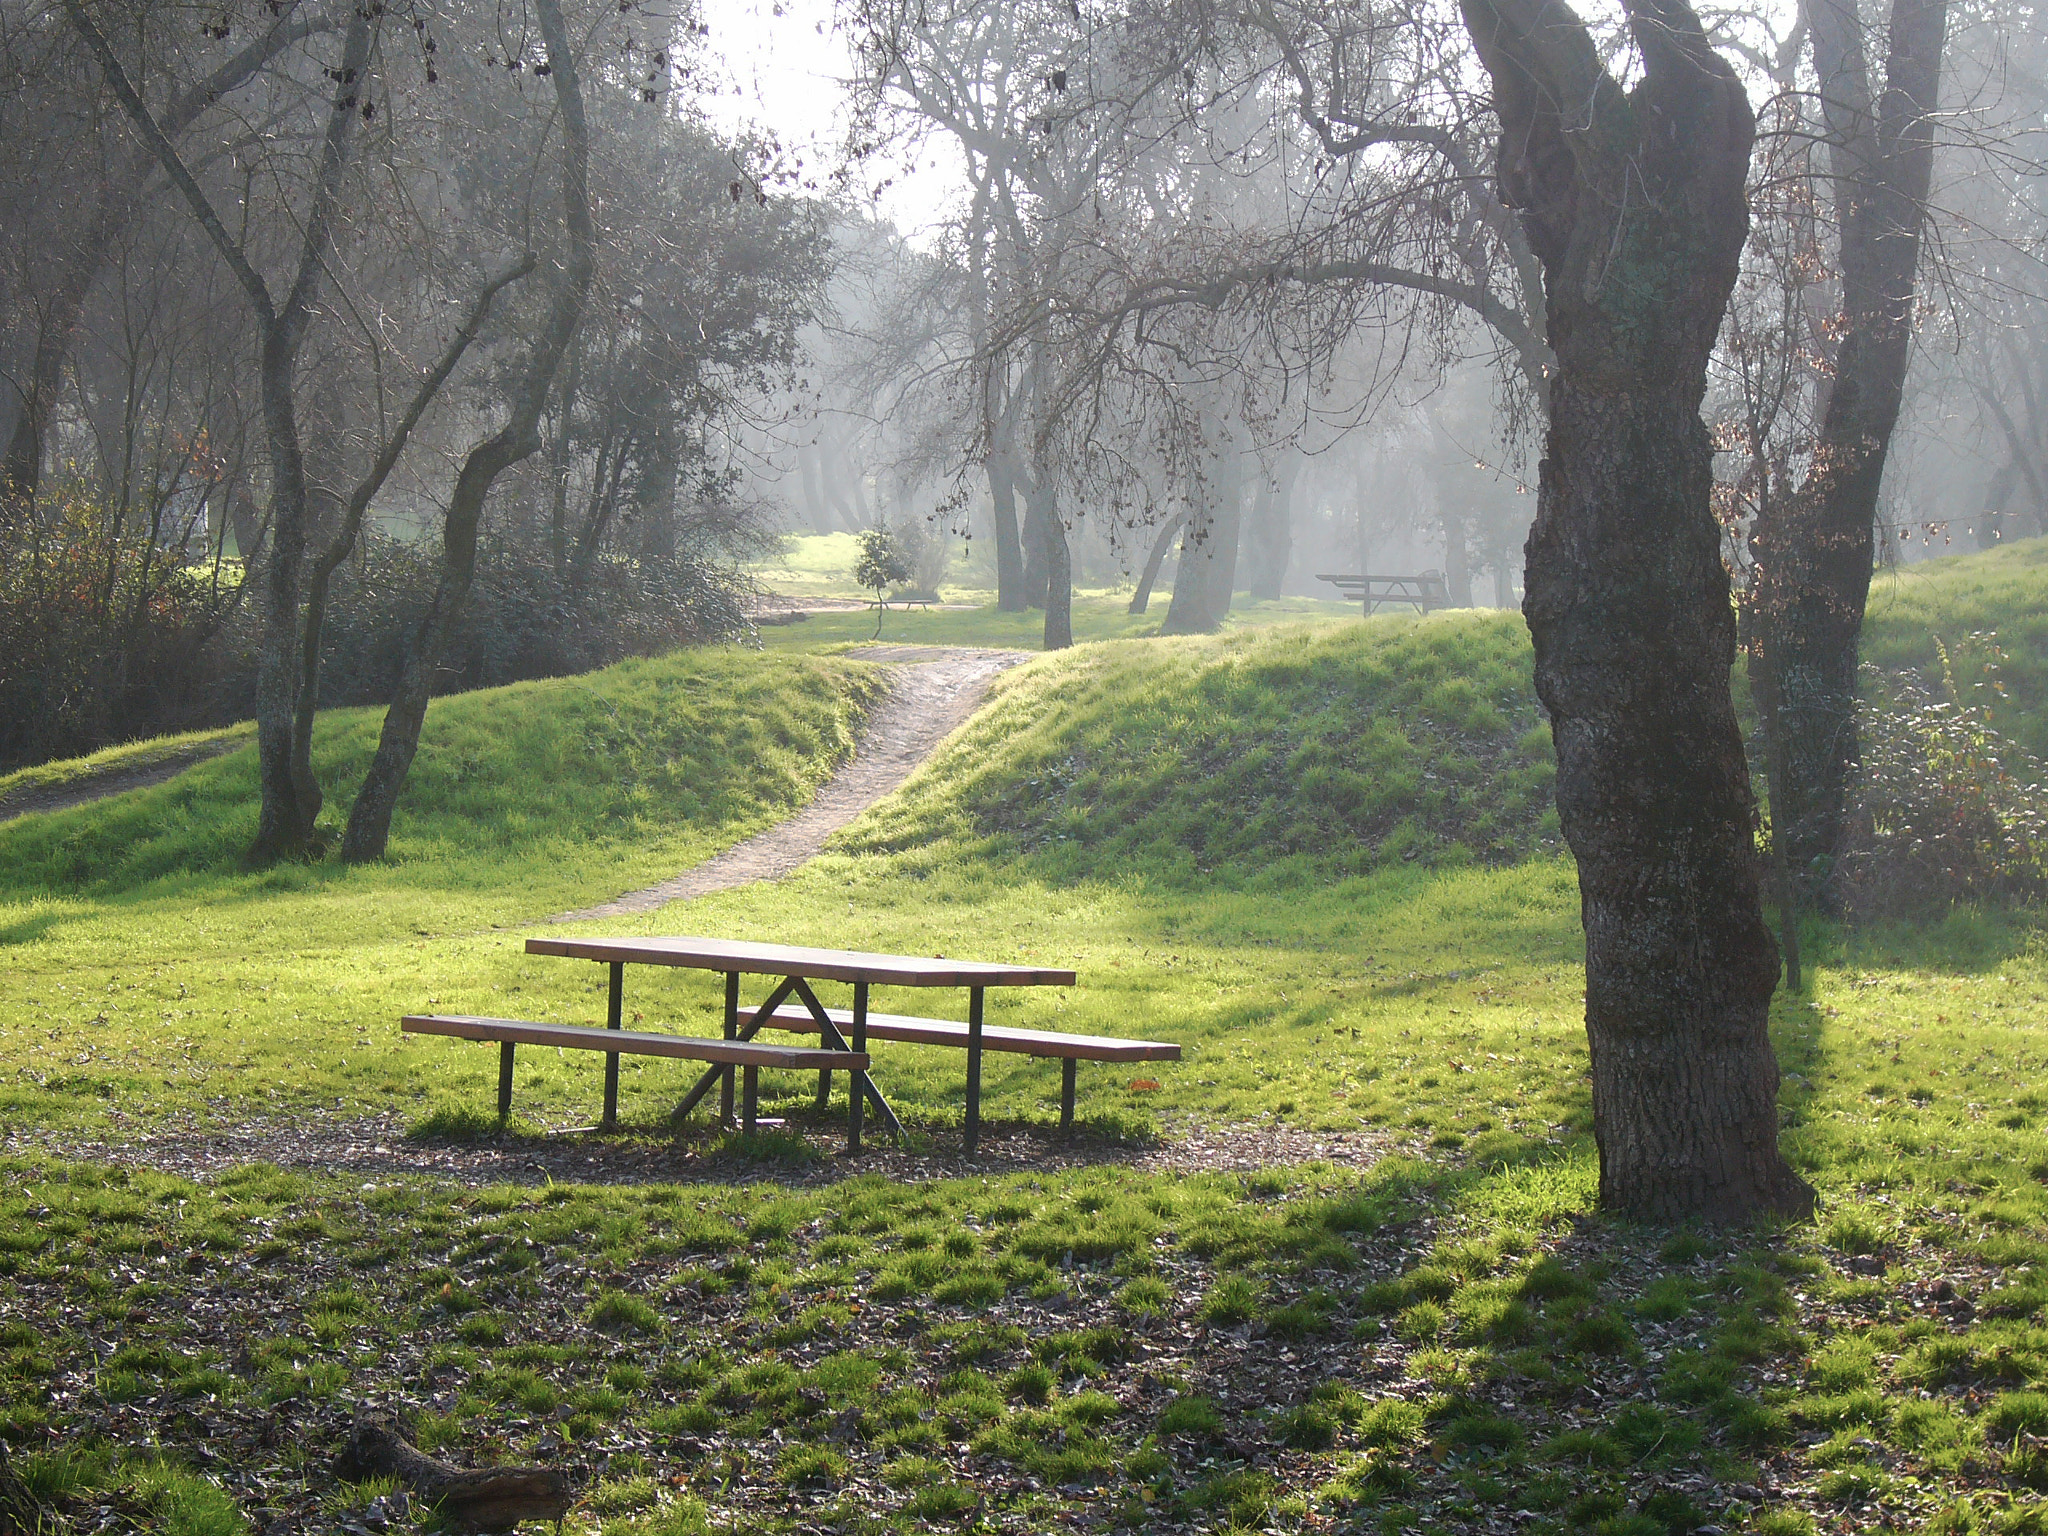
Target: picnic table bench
(747,1056)
(1422,592)
(1069,1050)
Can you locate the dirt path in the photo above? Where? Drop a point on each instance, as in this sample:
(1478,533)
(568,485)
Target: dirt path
(379,1146)
(932,690)
(117,780)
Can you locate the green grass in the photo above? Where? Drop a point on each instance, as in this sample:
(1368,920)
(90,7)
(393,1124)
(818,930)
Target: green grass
(1441,1339)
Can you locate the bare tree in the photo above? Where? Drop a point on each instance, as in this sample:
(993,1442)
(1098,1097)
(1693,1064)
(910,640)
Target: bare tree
(1813,549)
(369,822)
(290,797)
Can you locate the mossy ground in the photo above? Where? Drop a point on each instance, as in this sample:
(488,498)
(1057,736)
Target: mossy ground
(1448,1338)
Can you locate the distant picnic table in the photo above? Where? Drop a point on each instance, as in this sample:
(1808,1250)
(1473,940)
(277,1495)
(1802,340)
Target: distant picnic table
(792,1005)
(1421,592)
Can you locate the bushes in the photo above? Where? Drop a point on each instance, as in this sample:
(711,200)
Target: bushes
(1951,809)
(107,637)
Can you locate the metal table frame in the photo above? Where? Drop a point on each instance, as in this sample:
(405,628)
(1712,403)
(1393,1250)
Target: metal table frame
(797,967)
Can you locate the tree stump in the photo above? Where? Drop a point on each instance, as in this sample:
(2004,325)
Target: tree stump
(488,1499)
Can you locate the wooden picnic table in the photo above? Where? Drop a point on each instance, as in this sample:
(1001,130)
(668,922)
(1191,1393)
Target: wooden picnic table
(798,966)
(1422,592)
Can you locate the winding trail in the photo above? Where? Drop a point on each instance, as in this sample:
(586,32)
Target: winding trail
(932,691)
(118,779)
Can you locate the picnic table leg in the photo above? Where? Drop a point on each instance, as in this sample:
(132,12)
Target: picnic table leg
(1067,1072)
(613,1018)
(732,1029)
(824,1088)
(750,1098)
(973,1069)
(722,1075)
(504,1079)
(857,1100)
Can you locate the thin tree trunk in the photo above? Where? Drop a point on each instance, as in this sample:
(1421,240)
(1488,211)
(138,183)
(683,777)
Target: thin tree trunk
(1814,551)
(369,821)
(1633,201)
(1002,496)
(1142,598)
(319,581)
(1457,561)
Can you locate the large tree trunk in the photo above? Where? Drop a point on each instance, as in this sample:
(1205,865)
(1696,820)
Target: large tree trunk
(1031,580)
(1272,542)
(1207,574)
(1633,201)
(369,821)
(1814,553)
(654,495)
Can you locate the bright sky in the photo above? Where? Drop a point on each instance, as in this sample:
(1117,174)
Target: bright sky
(782,64)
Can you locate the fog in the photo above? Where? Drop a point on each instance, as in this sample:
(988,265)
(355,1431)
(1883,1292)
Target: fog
(1188,304)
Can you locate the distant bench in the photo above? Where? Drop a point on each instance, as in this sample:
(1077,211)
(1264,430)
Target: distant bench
(1422,593)
(1068,1050)
(749,1057)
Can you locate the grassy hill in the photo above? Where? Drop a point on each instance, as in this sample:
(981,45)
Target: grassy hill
(1990,612)
(1260,755)
(534,787)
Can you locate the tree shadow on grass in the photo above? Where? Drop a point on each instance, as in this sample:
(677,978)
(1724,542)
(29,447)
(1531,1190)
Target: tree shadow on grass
(1964,941)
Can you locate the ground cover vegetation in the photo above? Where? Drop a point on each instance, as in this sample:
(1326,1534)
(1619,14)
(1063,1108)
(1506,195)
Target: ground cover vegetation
(751,1335)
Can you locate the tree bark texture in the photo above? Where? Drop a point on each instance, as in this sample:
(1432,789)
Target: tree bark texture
(369,822)
(1633,202)
(1057,555)
(1269,541)
(1814,550)
(1031,580)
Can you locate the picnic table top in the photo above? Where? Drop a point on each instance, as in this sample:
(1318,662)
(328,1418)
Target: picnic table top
(1425,578)
(798,960)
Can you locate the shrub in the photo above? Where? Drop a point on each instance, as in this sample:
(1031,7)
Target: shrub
(1951,810)
(110,635)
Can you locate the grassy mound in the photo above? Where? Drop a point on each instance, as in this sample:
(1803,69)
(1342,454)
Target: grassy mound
(1258,754)
(1989,611)
(537,781)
